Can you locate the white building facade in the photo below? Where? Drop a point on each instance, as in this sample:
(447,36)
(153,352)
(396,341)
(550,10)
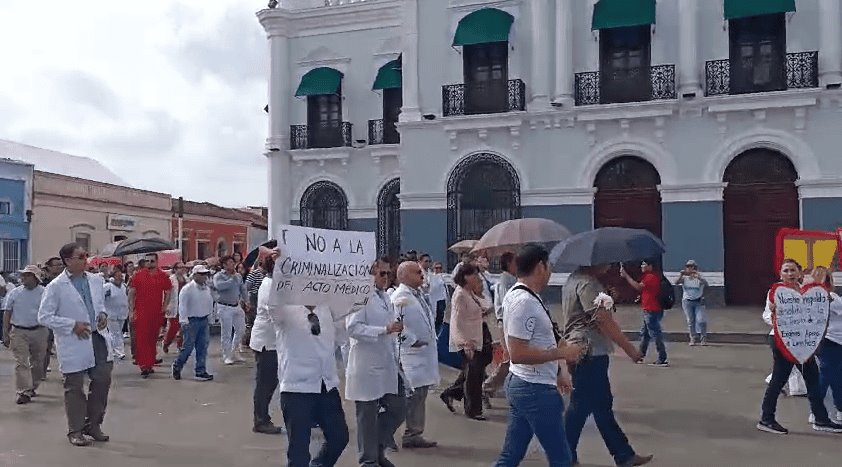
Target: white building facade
(712,123)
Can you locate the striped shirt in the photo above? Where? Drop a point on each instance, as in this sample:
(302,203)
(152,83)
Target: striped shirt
(253,281)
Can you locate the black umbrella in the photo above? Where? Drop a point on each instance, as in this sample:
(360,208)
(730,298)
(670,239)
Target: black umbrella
(607,245)
(136,246)
(252,256)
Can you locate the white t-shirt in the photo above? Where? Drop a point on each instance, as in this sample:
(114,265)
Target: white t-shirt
(834,327)
(524,318)
(24,304)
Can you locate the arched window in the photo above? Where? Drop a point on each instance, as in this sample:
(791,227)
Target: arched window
(389,219)
(324,206)
(760,166)
(482,191)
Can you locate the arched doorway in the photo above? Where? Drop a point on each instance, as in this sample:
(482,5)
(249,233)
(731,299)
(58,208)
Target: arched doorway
(389,219)
(627,196)
(760,197)
(482,191)
(324,206)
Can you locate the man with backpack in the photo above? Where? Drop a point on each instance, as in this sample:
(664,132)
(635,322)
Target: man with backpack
(654,299)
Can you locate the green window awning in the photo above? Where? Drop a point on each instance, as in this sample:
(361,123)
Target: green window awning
(318,81)
(388,76)
(622,13)
(483,26)
(735,9)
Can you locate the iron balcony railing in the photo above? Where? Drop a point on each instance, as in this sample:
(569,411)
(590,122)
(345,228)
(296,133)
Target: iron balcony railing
(323,136)
(800,71)
(629,85)
(489,97)
(380,133)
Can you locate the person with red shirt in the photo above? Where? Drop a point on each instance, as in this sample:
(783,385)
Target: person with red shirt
(650,291)
(149,290)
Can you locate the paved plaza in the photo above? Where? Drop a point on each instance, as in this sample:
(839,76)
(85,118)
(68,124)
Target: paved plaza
(700,412)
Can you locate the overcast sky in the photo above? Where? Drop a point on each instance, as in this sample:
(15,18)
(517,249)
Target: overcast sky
(168,94)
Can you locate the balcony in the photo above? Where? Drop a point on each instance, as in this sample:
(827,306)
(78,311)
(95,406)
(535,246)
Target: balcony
(632,85)
(380,133)
(304,137)
(801,72)
(483,98)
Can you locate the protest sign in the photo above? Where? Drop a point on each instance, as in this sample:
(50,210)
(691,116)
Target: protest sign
(324,267)
(801,320)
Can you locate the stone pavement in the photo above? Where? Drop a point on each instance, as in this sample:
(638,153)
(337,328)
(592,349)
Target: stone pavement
(700,412)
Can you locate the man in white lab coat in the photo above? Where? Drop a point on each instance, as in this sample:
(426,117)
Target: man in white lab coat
(418,352)
(73,307)
(372,378)
(309,383)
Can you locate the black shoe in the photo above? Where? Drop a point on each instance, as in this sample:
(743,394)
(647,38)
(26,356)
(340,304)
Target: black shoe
(204,377)
(267,428)
(23,399)
(479,418)
(31,393)
(176,373)
(77,439)
(772,427)
(145,374)
(383,462)
(448,402)
(828,427)
(96,433)
(159,361)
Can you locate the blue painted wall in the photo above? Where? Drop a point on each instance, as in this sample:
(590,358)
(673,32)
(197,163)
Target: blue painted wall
(363,225)
(425,230)
(822,213)
(14,226)
(693,230)
(577,218)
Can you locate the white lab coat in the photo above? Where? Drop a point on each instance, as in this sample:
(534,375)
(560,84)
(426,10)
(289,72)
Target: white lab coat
(305,361)
(172,306)
(372,370)
(420,364)
(61,307)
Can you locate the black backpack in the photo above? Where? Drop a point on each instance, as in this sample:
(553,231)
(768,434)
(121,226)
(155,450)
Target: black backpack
(666,296)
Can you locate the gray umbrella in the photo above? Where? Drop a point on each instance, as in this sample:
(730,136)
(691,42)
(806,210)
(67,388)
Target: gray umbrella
(135,246)
(607,245)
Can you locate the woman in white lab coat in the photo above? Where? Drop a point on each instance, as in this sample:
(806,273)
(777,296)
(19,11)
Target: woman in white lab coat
(117,307)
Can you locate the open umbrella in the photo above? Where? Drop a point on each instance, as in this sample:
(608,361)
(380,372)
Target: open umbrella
(253,254)
(135,246)
(463,247)
(509,235)
(607,245)
(108,250)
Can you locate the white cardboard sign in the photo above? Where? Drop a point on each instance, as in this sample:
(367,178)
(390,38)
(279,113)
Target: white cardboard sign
(324,267)
(801,319)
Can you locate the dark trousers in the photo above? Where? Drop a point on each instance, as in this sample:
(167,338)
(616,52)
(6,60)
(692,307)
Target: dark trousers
(51,339)
(830,371)
(441,306)
(251,314)
(376,428)
(265,383)
(88,410)
(781,369)
(468,384)
(592,396)
(304,410)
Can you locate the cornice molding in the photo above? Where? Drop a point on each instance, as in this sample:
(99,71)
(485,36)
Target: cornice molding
(418,201)
(820,188)
(371,14)
(691,192)
(300,156)
(557,196)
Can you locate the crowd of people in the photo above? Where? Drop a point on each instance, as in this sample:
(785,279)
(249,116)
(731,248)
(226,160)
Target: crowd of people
(389,350)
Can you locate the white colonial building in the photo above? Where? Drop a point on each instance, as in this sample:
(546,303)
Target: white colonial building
(709,122)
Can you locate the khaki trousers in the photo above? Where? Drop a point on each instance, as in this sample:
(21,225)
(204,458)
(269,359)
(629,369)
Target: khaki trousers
(28,348)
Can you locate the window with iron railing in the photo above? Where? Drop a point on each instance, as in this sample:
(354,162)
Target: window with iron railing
(385,130)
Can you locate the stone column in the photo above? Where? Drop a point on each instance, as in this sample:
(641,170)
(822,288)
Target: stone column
(541,46)
(410,112)
(277,144)
(689,77)
(564,53)
(830,50)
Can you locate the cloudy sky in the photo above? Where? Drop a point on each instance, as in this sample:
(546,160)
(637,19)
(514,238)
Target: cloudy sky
(168,94)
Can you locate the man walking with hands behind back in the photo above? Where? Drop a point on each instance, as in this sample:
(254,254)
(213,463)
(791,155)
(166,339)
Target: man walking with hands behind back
(73,307)
(23,334)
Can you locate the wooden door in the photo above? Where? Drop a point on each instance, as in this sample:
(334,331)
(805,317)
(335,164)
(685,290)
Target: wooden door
(627,196)
(760,198)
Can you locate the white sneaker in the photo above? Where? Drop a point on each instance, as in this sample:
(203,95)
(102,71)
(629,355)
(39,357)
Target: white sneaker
(811,419)
(228,361)
(838,418)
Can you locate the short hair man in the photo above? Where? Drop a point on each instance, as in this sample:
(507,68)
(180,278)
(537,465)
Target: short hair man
(653,313)
(195,304)
(230,303)
(83,350)
(23,335)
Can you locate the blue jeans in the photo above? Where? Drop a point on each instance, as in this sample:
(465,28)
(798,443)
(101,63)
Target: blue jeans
(697,324)
(592,395)
(534,409)
(830,371)
(196,337)
(651,329)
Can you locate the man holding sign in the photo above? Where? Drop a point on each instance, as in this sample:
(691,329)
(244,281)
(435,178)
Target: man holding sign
(318,275)
(799,320)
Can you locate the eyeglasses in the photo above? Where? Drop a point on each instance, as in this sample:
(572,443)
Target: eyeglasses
(315,325)
(81,256)
(383,274)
